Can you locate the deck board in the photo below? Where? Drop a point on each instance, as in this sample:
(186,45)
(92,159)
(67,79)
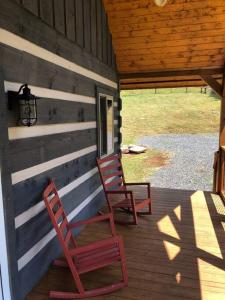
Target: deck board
(177,253)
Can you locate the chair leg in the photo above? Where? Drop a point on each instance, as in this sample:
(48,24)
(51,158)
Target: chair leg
(150,208)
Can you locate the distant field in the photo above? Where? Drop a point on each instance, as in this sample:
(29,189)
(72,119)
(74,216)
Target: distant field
(169,111)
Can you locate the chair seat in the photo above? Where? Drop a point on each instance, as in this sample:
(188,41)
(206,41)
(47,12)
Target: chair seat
(125,203)
(98,257)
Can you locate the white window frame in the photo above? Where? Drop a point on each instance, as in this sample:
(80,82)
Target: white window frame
(110,98)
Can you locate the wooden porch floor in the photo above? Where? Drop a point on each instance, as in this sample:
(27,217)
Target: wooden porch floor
(177,253)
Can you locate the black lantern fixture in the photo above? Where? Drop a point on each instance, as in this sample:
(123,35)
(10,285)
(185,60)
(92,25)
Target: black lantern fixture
(27,105)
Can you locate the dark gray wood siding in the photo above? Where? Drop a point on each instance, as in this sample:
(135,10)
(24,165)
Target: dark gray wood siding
(77,20)
(71,30)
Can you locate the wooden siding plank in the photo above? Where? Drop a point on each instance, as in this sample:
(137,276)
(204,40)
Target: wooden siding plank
(46,11)
(63,175)
(79,23)
(72,71)
(57,112)
(44,153)
(99,29)
(70,20)
(59,16)
(109,42)
(87,25)
(46,38)
(31,5)
(93,28)
(104,37)
(21,132)
(75,180)
(32,171)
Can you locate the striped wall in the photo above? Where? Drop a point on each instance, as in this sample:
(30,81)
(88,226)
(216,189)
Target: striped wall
(63,143)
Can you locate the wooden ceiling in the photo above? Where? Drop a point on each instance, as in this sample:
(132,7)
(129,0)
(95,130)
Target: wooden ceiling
(167,46)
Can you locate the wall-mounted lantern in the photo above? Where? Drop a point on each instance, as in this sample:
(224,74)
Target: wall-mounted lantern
(27,105)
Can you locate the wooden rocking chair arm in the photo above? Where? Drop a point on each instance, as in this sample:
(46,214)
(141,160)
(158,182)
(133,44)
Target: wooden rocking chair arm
(94,220)
(127,192)
(90,221)
(141,183)
(119,192)
(138,183)
(110,241)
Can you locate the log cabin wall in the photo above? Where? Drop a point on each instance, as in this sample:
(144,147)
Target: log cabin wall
(63,50)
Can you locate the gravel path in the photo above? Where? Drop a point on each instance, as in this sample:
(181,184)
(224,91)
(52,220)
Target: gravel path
(191,164)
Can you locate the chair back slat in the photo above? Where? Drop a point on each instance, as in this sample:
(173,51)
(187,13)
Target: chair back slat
(111,173)
(112,166)
(114,174)
(54,200)
(116,182)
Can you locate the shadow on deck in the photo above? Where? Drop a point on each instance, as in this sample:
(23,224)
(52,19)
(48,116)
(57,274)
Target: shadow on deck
(177,253)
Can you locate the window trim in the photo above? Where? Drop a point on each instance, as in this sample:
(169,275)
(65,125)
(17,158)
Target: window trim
(106,94)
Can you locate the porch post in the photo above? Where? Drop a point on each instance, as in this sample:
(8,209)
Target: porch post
(221,157)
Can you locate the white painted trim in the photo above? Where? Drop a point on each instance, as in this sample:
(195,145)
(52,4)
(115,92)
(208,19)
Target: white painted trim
(3,251)
(30,254)
(49,93)
(43,167)
(10,39)
(22,132)
(40,206)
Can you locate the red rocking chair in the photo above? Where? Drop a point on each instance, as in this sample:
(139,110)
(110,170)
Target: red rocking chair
(116,189)
(85,258)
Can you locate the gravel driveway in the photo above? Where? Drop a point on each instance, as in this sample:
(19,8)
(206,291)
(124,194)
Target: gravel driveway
(191,164)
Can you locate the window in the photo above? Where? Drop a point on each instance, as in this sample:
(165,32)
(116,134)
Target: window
(105,125)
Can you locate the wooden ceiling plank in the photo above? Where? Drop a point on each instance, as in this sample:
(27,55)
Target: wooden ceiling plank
(170,50)
(158,24)
(169,43)
(209,12)
(155,37)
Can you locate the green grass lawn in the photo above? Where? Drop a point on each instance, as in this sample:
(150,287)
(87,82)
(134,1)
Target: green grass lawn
(169,111)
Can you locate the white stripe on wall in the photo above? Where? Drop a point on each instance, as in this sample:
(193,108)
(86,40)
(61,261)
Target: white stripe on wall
(22,132)
(49,93)
(36,209)
(10,39)
(43,167)
(30,254)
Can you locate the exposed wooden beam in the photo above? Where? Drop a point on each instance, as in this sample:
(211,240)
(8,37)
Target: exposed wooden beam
(214,84)
(169,73)
(161,81)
